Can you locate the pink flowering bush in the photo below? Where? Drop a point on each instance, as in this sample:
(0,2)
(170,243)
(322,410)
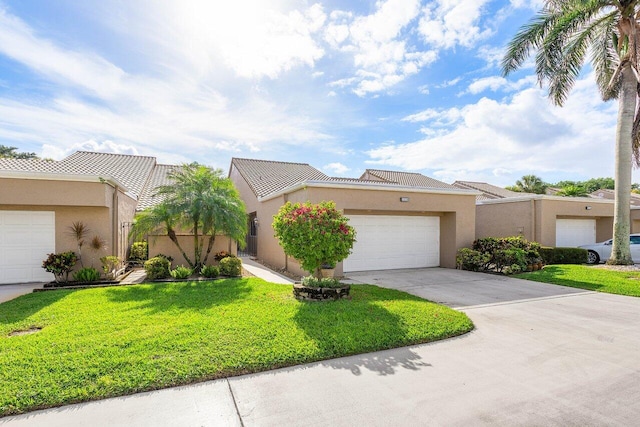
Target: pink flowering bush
(316,235)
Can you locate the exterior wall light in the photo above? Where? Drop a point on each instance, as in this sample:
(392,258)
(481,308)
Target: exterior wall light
(587,208)
(404,199)
(255,222)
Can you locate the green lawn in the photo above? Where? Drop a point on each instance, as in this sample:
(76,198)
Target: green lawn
(588,277)
(113,341)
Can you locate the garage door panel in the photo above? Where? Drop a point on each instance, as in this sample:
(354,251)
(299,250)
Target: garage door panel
(390,242)
(575,232)
(26,239)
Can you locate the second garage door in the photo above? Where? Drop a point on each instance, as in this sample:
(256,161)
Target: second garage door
(25,240)
(575,232)
(387,242)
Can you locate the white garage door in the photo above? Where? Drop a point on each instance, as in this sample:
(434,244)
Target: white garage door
(575,232)
(25,240)
(391,242)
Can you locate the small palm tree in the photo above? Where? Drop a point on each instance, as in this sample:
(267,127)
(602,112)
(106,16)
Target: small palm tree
(530,184)
(202,201)
(561,35)
(572,191)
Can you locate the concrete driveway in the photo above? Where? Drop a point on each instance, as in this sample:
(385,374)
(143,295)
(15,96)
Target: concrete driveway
(9,292)
(540,355)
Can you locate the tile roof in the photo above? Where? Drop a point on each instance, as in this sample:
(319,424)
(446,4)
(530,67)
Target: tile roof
(267,177)
(605,193)
(158,177)
(488,191)
(132,171)
(411,179)
(31,165)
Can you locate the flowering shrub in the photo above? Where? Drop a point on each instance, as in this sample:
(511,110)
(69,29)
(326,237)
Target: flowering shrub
(60,265)
(315,234)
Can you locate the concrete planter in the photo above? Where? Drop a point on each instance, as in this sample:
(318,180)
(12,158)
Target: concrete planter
(306,293)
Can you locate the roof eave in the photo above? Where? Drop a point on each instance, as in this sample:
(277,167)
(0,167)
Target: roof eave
(365,186)
(544,197)
(47,176)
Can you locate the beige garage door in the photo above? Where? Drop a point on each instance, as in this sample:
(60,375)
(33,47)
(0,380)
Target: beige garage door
(387,242)
(25,240)
(575,232)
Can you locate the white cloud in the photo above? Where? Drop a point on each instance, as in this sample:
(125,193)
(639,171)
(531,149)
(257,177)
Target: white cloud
(497,83)
(253,38)
(521,134)
(381,53)
(446,24)
(178,108)
(336,168)
(56,153)
(449,83)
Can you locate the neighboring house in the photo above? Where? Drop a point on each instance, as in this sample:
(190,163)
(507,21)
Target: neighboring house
(604,193)
(40,199)
(549,220)
(488,191)
(402,220)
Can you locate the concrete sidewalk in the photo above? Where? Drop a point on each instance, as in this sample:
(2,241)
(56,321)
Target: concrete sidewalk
(263,272)
(545,355)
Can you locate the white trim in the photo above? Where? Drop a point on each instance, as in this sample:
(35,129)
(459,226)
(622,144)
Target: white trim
(48,176)
(544,197)
(366,186)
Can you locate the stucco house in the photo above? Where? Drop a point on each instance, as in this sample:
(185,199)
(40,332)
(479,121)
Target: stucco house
(548,219)
(402,220)
(41,199)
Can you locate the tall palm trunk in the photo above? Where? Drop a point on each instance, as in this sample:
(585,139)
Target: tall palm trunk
(620,252)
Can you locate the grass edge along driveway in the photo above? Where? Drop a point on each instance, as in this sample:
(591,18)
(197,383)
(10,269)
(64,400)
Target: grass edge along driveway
(107,342)
(588,277)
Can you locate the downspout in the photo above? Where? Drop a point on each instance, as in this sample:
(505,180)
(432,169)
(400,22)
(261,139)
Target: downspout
(115,247)
(533,220)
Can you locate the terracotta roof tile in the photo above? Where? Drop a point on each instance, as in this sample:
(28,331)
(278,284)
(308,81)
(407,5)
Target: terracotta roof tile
(158,177)
(132,171)
(267,177)
(488,191)
(411,179)
(31,165)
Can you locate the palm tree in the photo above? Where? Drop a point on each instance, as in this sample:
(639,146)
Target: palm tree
(572,191)
(530,184)
(10,153)
(200,200)
(562,34)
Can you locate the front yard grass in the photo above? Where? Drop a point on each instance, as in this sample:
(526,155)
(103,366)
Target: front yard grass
(104,342)
(588,277)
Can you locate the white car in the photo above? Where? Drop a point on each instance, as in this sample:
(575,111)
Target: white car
(600,252)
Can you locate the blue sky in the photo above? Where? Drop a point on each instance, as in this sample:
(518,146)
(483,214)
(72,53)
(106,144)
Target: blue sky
(344,86)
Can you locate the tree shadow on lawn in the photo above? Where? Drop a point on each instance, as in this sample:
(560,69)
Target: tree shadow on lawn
(24,306)
(196,295)
(373,328)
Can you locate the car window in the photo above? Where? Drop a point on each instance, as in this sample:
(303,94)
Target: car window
(634,240)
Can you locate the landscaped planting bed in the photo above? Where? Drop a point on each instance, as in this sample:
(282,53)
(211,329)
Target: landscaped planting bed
(69,346)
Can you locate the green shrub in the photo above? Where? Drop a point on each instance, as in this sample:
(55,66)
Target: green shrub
(314,234)
(231,266)
(472,260)
(563,255)
(60,265)
(86,274)
(181,272)
(139,251)
(110,265)
(325,282)
(210,271)
(513,258)
(167,257)
(157,268)
(502,254)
